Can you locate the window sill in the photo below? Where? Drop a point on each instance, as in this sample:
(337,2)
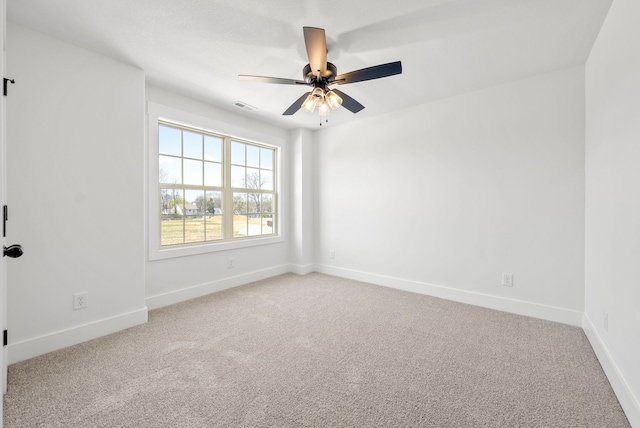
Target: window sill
(169,253)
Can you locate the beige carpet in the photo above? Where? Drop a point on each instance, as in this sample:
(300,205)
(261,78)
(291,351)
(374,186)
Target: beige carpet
(319,351)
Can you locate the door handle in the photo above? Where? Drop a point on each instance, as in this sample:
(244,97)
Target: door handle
(13,251)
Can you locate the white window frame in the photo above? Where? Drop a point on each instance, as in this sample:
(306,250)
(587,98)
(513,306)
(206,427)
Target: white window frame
(158,112)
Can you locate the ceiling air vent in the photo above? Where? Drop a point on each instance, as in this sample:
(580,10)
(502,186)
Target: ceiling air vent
(244,106)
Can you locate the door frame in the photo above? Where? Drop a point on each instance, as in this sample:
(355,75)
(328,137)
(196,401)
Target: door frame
(3,199)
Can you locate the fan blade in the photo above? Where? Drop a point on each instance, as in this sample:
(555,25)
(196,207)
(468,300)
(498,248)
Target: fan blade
(296,105)
(370,73)
(349,103)
(316,43)
(263,79)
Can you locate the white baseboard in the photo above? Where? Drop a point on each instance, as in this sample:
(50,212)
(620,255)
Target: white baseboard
(550,313)
(36,346)
(166,299)
(30,348)
(302,269)
(628,401)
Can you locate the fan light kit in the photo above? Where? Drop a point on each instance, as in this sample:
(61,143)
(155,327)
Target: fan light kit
(320,74)
(323,100)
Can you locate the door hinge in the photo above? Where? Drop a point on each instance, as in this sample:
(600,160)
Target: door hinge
(5,338)
(5,84)
(5,217)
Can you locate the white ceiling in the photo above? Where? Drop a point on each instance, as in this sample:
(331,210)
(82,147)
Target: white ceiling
(447,47)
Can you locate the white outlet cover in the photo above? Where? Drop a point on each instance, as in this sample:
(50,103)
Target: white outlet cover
(80,300)
(507,279)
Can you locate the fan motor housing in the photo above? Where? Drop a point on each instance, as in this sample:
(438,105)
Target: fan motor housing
(311,77)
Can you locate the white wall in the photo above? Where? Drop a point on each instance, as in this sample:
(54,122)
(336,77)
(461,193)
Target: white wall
(445,197)
(302,231)
(75,146)
(173,280)
(613,201)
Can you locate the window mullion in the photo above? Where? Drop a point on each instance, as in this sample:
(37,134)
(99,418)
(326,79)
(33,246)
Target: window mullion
(202,189)
(184,217)
(227,208)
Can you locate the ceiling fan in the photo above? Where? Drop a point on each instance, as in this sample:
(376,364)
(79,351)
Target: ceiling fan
(320,75)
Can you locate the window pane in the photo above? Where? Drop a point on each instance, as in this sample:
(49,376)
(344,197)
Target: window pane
(213,228)
(171,224)
(240,214)
(254,214)
(194,202)
(170,201)
(237,176)
(240,203)
(170,170)
(192,145)
(193,172)
(212,174)
(266,158)
(253,204)
(212,148)
(194,219)
(253,156)
(169,141)
(267,214)
(194,229)
(266,179)
(267,203)
(253,179)
(214,203)
(213,219)
(237,153)
(267,225)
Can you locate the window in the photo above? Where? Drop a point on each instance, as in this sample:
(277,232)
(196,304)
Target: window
(253,194)
(212,191)
(213,187)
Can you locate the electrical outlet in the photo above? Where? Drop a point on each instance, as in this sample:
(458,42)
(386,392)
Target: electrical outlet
(80,300)
(507,279)
(230,262)
(332,254)
(605,321)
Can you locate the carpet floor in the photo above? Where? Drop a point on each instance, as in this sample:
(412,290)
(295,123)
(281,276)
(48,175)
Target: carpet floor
(319,351)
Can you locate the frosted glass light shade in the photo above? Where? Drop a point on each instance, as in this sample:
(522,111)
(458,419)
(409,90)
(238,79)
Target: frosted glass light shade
(333,100)
(310,103)
(323,109)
